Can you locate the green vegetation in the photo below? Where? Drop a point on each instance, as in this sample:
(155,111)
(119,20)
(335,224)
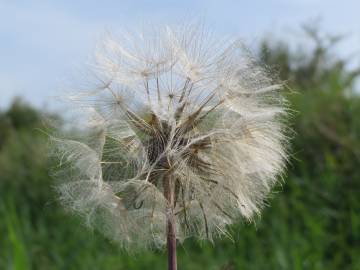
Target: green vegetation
(313,221)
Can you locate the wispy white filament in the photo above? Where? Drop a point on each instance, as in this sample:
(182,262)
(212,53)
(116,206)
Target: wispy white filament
(182,104)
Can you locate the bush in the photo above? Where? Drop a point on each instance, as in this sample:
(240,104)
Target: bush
(313,222)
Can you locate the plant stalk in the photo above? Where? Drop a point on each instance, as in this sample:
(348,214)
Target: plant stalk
(169,192)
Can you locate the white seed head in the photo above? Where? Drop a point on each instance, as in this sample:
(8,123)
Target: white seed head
(181,105)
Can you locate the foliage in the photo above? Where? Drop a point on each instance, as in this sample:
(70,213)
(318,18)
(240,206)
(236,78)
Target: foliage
(313,221)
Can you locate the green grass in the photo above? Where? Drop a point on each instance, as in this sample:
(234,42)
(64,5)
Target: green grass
(301,230)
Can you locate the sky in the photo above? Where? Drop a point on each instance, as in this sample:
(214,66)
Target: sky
(45,44)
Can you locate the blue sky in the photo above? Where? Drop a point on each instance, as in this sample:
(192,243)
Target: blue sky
(44,44)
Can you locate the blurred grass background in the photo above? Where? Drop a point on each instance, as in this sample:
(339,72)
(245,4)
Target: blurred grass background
(313,221)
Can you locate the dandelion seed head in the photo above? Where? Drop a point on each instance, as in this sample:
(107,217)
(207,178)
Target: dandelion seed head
(176,105)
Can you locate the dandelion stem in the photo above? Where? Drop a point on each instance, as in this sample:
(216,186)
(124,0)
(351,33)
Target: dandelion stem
(169,193)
